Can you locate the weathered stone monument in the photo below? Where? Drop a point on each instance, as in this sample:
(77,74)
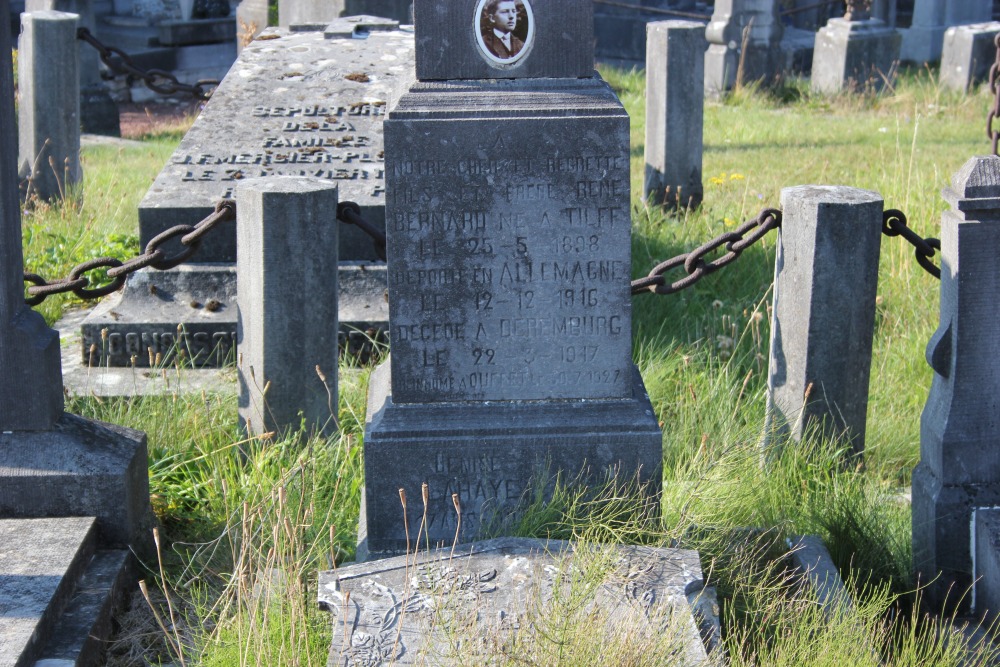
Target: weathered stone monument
(292,12)
(675,106)
(49,108)
(307,104)
(478,604)
(508,224)
(968,53)
(959,468)
(820,358)
(744,39)
(856,52)
(53,465)
(287,329)
(922,41)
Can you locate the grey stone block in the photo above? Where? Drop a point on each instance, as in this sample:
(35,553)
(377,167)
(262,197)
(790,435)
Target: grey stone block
(986,562)
(922,41)
(40,562)
(968,53)
(811,559)
(287,329)
(251,20)
(29,350)
(80,467)
(495,455)
(453,41)
(412,610)
(675,100)
(825,282)
(854,55)
(49,107)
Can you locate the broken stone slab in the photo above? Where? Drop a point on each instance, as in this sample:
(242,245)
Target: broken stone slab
(484,599)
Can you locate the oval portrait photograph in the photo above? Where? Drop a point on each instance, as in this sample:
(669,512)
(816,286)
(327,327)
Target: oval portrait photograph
(504,29)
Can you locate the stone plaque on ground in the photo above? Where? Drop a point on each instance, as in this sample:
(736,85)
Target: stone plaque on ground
(508,236)
(498,600)
(304,104)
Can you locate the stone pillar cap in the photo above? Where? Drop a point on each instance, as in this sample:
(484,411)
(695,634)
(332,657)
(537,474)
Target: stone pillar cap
(976,185)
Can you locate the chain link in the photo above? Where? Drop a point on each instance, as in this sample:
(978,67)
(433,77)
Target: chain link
(991,132)
(154,256)
(894,224)
(350,213)
(694,263)
(157,80)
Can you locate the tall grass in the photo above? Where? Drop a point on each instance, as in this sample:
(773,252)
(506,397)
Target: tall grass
(246,523)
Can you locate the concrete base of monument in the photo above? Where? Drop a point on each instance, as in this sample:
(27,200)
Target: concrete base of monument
(500,599)
(81,467)
(493,457)
(189,314)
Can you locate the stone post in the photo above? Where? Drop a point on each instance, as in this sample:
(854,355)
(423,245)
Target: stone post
(969,52)
(308,11)
(287,296)
(675,99)
(922,41)
(251,19)
(825,279)
(855,52)
(736,24)
(98,112)
(53,463)
(959,467)
(49,110)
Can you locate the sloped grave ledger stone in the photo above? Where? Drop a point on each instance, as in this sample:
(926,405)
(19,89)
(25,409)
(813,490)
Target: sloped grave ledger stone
(303,104)
(490,600)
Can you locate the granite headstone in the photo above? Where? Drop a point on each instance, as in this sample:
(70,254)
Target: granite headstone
(301,104)
(508,224)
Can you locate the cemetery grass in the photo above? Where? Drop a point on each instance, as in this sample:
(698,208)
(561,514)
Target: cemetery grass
(247,523)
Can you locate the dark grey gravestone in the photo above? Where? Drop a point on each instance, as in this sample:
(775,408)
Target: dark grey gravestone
(508,225)
(854,55)
(455,41)
(287,331)
(301,104)
(959,465)
(825,282)
(675,105)
(52,463)
(49,105)
(474,605)
(967,55)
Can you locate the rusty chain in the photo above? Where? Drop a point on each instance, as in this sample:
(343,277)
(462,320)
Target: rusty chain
(191,236)
(154,256)
(157,80)
(994,114)
(894,224)
(694,263)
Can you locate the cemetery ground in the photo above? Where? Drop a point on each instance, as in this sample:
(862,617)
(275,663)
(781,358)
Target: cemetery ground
(246,524)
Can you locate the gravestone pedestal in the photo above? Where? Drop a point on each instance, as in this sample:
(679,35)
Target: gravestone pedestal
(856,55)
(508,224)
(968,53)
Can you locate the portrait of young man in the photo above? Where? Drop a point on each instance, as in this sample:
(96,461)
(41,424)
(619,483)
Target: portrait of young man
(499,27)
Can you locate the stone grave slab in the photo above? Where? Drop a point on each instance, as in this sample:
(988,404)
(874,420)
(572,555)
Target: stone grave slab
(304,104)
(40,560)
(492,600)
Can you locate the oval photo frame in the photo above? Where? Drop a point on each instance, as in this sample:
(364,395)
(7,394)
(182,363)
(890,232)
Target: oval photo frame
(492,47)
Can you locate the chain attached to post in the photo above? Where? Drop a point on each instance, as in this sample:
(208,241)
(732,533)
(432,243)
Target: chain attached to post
(994,115)
(350,213)
(157,80)
(77,282)
(694,262)
(894,224)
